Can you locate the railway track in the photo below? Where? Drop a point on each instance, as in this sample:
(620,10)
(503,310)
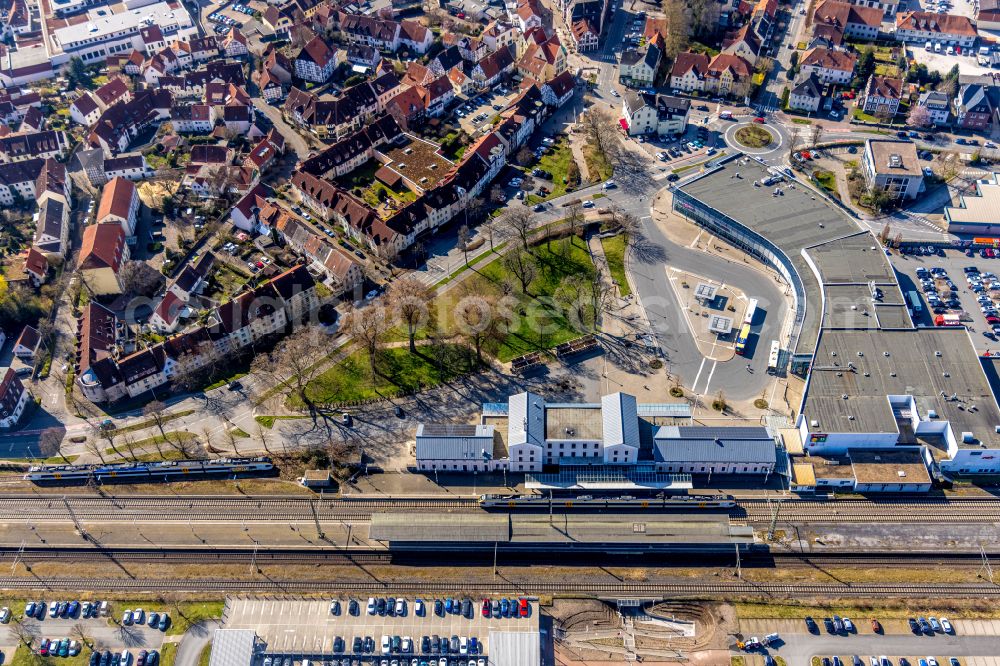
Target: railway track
(337,556)
(263,509)
(646,589)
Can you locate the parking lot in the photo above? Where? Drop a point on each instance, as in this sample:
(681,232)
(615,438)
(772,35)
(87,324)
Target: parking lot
(237,14)
(308,629)
(478,111)
(941,61)
(937,297)
(60,636)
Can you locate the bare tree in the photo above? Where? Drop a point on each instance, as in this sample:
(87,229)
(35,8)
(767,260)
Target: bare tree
(474,319)
(129,445)
(262,436)
(815,131)
(497,195)
(155,412)
(521,265)
(602,132)
(232,436)
(294,362)
(81,634)
(463,241)
(679,20)
(137,278)
(367,326)
(574,218)
(25,632)
(93,445)
(629,223)
(475,208)
(517,221)
(409,300)
(49,443)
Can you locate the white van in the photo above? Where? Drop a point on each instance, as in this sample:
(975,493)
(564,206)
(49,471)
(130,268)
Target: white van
(937,47)
(928,46)
(951,50)
(726,115)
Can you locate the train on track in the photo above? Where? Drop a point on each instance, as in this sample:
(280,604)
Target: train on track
(148,472)
(598,502)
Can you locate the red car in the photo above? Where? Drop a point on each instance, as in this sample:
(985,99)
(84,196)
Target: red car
(523,609)
(260,264)
(486,607)
(759,119)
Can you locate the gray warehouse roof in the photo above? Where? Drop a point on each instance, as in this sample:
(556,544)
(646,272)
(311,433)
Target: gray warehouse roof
(233,647)
(515,648)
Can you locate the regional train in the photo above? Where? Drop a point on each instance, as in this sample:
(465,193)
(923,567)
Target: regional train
(149,472)
(662,501)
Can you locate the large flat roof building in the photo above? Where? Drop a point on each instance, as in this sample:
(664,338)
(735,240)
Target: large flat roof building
(977,213)
(874,382)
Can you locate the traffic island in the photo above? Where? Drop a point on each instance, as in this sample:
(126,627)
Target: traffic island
(754,136)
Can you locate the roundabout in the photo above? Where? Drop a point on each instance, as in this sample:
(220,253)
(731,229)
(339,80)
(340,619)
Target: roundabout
(762,140)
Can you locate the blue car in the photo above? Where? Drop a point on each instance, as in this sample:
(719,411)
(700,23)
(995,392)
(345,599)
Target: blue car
(447,605)
(74,608)
(504,608)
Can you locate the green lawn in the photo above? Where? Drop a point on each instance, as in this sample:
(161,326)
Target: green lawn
(539,323)
(224,283)
(206,655)
(826,180)
(556,162)
(597,166)
(398,371)
(168,653)
(614,252)
(25,657)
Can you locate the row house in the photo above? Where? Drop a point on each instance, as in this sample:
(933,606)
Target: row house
(363,56)
(193,118)
(34,145)
(585,36)
(445,60)
(498,34)
(351,152)
(103,253)
(829,65)
(922,27)
(375,32)
(246,320)
(52,193)
(119,205)
(131,167)
(724,74)
(492,68)
(344,272)
(167,314)
(472,49)
(339,117)
(234,44)
(846,20)
(274,76)
(14,397)
(745,43)
(408,108)
(436,96)
(542,61)
(118,126)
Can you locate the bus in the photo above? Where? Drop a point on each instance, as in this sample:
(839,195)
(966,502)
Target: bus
(914,298)
(741,339)
(772,360)
(751,311)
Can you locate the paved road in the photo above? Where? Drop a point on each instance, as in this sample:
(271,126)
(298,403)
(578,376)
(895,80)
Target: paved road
(799,649)
(194,641)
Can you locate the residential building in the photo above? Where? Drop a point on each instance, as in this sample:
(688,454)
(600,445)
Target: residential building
(922,27)
(639,69)
(119,204)
(689,72)
(938,105)
(988,14)
(33,145)
(729,75)
(52,227)
(806,95)
(848,20)
(14,397)
(28,344)
(585,36)
(119,32)
(131,167)
(103,253)
(193,118)
(415,36)
(829,65)
(316,61)
(976,106)
(892,166)
(881,96)
(654,114)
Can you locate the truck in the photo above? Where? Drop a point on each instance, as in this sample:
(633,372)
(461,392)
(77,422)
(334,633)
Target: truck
(947,320)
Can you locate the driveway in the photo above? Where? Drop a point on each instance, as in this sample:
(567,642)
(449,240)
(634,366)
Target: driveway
(194,641)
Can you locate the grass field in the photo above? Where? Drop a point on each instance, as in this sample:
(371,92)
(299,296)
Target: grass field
(614,252)
(539,323)
(827,181)
(597,166)
(556,162)
(398,371)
